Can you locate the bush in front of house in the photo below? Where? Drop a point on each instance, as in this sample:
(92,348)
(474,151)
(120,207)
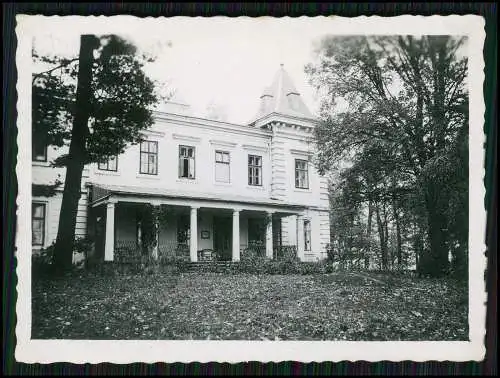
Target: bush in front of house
(288,263)
(41,262)
(252,262)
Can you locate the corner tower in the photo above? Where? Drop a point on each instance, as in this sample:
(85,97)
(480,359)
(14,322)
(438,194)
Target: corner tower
(283,111)
(282,101)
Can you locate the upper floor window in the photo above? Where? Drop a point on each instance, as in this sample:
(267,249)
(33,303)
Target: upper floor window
(186,162)
(111,164)
(39,150)
(149,157)
(222,166)
(301,174)
(255,170)
(37,223)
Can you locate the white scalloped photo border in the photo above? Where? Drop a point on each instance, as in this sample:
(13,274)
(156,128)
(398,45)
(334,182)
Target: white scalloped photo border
(128,351)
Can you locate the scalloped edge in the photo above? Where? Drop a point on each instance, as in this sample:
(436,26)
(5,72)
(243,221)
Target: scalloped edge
(123,352)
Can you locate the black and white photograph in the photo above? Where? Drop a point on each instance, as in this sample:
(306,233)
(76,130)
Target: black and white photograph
(234,189)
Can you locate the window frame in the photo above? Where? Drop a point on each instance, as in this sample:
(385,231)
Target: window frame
(252,167)
(301,170)
(106,168)
(44,222)
(148,153)
(228,164)
(180,176)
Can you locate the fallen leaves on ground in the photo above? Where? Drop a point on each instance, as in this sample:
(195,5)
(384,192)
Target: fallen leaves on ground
(211,306)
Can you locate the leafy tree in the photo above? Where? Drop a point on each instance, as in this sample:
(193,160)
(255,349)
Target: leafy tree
(408,95)
(97,104)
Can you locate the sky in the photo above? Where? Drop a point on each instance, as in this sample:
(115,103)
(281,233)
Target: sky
(223,61)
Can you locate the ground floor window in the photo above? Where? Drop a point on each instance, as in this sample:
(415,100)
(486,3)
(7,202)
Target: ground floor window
(38,223)
(110,164)
(307,235)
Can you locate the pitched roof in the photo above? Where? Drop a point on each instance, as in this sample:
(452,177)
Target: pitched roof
(283,98)
(102,190)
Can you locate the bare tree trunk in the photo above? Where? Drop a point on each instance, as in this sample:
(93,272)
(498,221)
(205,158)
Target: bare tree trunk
(63,252)
(368,235)
(399,252)
(438,264)
(383,241)
(385,225)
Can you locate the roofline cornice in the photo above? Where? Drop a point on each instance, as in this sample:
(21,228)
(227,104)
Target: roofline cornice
(211,124)
(279,117)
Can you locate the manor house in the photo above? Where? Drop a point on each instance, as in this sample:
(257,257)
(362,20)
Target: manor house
(207,189)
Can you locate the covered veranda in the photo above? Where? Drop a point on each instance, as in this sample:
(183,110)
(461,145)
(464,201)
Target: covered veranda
(128,222)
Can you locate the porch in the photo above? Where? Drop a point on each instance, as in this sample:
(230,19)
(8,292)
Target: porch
(130,229)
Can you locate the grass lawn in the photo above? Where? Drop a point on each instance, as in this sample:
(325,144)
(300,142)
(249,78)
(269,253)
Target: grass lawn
(337,306)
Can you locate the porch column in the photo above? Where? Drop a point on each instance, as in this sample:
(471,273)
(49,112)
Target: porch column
(269,235)
(236,235)
(109,243)
(193,235)
(156,229)
(300,237)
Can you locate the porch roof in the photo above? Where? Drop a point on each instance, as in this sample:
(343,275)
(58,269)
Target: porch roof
(101,191)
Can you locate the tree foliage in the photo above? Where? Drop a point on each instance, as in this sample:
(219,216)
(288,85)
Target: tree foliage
(396,110)
(120,105)
(96,104)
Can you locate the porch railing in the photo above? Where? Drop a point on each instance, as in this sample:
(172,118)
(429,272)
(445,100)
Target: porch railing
(173,250)
(256,249)
(131,252)
(279,252)
(127,252)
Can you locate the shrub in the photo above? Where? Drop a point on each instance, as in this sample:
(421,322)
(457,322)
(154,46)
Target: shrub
(83,246)
(41,263)
(172,263)
(288,264)
(252,262)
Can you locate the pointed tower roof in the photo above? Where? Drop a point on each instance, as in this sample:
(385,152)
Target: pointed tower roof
(282,98)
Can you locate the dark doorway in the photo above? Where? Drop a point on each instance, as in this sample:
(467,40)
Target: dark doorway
(100,234)
(277,240)
(223,230)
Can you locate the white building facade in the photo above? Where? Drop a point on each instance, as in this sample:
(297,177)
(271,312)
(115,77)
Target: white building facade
(207,189)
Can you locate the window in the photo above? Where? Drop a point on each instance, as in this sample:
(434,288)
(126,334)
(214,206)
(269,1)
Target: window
(254,170)
(222,166)
(186,162)
(111,164)
(307,235)
(39,150)
(149,158)
(301,174)
(38,223)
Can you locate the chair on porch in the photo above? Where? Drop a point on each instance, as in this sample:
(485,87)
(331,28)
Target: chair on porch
(207,255)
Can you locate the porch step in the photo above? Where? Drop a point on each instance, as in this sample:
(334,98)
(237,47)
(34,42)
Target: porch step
(201,265)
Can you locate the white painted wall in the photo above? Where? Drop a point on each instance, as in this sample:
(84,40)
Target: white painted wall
(52,211)
(206,136)
(169,135)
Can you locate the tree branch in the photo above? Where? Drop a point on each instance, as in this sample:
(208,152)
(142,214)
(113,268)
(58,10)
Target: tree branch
(67,63)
